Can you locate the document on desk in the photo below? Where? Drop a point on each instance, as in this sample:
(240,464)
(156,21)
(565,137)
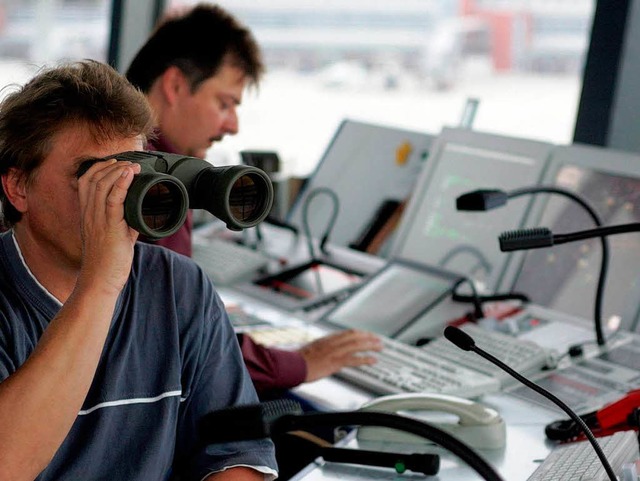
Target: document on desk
(558,335)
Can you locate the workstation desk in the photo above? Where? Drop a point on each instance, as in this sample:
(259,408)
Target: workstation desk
(526,445)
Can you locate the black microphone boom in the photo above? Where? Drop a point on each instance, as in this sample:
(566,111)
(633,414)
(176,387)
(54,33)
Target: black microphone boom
(543,237)
(466,343)
(524,239)
(251,422)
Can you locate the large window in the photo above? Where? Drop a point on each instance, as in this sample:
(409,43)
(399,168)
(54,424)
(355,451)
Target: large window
(409,63)
(34,33)
(412,64)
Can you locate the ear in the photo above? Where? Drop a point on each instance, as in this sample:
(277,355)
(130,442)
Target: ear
(173,84)
(14,184)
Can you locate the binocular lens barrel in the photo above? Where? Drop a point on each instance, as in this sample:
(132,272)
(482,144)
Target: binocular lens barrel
(241,196)
(247,196)
(156,205)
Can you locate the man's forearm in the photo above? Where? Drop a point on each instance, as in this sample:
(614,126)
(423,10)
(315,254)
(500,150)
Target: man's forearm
(237,474)
(41,400)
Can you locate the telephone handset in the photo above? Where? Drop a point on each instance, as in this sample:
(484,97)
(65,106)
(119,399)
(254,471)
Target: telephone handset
(477,426)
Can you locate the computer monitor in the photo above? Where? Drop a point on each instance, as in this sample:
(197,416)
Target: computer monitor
(565,277)
(393,298)
(372,170)
(433,232)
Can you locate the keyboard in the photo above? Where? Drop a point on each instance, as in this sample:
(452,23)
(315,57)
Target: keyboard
(226,262)
(525,357)
(579,462)
(439,367)
(407,369)
(401,368)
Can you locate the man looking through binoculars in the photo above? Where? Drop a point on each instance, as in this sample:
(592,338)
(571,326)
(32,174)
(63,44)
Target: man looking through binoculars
(111,350)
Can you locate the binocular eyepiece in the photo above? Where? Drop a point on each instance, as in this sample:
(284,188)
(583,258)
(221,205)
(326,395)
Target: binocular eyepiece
(168,185)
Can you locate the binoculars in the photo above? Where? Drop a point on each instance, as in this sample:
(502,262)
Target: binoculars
(168,185)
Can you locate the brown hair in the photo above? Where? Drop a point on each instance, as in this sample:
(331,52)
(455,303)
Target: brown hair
(198,43)
(85,93)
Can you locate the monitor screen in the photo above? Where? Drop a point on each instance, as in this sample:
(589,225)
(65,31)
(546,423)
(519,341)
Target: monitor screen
(434,232)
(565,277)
(392,299)
(370,168)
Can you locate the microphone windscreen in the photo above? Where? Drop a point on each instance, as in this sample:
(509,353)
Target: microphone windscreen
(481,200)
(240,423)
(525,239)
(460,338)
(272,410)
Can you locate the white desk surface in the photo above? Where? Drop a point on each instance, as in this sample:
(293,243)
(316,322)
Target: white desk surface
(526,444)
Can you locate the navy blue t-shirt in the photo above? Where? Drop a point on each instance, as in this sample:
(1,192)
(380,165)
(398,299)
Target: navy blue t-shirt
(170,357)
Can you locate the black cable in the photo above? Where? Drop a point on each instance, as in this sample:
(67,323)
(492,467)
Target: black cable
(509,296)
(307,231)
(259,237)
(483,262)
(474,298)
(604,265)
(306,421)
(332,220)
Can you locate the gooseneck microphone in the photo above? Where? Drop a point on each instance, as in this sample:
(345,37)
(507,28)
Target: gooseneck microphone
(270,420)
(465,342)
(488,199)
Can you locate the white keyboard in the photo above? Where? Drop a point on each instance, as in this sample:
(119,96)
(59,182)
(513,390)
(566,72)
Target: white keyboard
(402,368)
(579,462)
(523,356)
(227,262)
(439,367)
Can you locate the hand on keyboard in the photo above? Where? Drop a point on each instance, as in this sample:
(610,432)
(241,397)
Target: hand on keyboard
(329,354)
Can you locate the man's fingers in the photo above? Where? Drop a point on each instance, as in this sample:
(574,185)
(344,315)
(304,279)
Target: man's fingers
(355,360)
(351,342)
(117,194)
(106,188)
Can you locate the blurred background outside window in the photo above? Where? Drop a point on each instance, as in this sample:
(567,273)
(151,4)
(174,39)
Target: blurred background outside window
(408,63)
(34,33)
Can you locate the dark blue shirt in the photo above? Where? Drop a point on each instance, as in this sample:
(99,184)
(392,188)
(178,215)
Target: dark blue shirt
(170,357)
